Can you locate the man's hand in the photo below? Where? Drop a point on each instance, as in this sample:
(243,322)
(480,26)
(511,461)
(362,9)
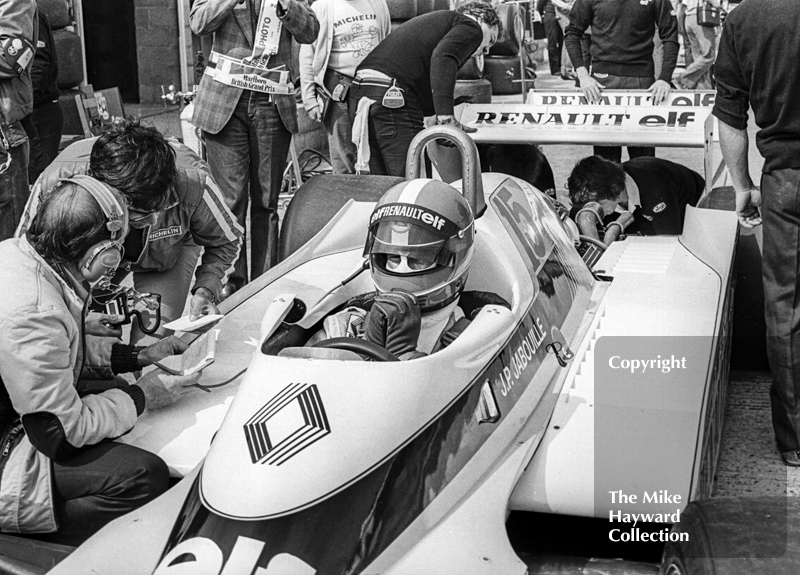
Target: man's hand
(747,204)
(161,389)
(394,322)
(103,325)
(589,86)
(451,121)
(202,303)
(156,352)
(315,113)
(660,90)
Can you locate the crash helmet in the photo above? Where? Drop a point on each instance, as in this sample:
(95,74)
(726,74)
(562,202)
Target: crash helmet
(421,240)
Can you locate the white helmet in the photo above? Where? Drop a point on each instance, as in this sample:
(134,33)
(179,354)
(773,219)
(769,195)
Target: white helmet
(421,240)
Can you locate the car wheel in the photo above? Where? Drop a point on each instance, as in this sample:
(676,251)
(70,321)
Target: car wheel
(509,41)
(735,536)
(478,91)
(523,161)
(472,69)
(402,9)
(317,201)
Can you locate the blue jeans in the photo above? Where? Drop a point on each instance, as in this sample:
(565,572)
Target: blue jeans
(614,153)
(250,153)
(390,135)
(14,190)
(780,192)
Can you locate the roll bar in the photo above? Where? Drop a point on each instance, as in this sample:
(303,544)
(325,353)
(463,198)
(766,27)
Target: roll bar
(471,184)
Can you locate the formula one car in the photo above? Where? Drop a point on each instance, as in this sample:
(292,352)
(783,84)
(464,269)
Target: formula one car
(311,460)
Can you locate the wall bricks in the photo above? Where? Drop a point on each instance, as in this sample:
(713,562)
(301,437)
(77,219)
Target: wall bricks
(157,48)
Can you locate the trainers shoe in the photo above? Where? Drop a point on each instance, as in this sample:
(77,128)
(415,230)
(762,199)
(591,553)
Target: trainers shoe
(791,458)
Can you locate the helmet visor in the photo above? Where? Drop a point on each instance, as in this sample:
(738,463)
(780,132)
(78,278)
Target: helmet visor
(420,245)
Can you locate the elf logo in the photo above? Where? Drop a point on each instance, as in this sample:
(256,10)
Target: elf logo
(202,556)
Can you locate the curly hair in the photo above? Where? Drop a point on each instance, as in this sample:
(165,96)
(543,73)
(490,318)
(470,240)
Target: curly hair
(594,179)
(67,223)
(136,160)
(484,12)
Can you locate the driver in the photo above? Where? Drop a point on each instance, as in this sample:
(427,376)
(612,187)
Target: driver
(420,246)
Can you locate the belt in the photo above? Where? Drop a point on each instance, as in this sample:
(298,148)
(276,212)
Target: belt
(332,78)
(373,84)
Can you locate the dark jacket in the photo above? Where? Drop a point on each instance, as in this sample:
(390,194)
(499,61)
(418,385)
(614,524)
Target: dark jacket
(424,55)
(757,66)
(200,214)
(44,74)
(665,189)
(622,36)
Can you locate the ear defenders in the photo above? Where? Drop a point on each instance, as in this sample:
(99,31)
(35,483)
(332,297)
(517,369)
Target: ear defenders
(116,214)
(105,255)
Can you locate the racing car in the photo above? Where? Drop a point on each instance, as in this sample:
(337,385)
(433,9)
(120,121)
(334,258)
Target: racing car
(295,459)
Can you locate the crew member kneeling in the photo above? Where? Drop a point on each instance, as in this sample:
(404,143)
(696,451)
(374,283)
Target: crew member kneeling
(649,195)
(58,472)
(420,246)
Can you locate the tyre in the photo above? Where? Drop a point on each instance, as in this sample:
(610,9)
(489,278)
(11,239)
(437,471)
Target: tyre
(523,161)
(480,91)
(402,9)
(735,536)
(395,24)
(70,58)
(424,6)
(510,39)
(318,200)
(503,73)
(57,12)
(472,69)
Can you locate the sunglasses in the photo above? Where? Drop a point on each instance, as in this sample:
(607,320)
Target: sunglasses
(137,216)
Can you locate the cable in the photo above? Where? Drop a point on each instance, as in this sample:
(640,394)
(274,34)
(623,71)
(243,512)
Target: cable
(208,388)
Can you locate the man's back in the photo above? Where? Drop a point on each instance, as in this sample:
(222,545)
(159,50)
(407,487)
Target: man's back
(758,64)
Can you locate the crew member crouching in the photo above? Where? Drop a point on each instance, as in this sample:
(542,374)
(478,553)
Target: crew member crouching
(646,196)
(58,472)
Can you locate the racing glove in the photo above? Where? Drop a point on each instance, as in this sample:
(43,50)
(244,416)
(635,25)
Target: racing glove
(394,323)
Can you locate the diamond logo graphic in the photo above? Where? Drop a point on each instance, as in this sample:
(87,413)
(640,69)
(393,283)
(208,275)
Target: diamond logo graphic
(289,423)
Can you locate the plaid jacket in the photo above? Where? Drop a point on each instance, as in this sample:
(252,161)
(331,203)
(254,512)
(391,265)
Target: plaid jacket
(229,21)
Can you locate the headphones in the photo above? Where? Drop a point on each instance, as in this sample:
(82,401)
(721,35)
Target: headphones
(98,258)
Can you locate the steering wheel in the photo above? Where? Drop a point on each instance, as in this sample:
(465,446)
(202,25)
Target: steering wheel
(360,346)
(590,250)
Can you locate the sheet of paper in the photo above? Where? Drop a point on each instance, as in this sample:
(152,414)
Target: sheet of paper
(185,324)
(201,354)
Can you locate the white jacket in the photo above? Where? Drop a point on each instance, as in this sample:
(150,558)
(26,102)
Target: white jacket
(314,57)
(42,354)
